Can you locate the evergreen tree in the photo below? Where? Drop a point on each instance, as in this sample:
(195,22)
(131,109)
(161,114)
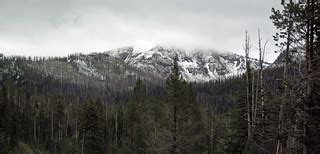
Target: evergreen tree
(298,116)
(136,118)
(237,134)
(3,117)
(91,128)
(187,129)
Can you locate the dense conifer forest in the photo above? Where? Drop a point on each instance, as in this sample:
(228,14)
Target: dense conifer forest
(269,109)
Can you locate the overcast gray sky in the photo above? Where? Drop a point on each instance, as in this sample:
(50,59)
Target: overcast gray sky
(61,27)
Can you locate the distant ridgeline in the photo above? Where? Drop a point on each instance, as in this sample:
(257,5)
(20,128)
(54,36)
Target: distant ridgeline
(153,64)
(106,102)
(115,72)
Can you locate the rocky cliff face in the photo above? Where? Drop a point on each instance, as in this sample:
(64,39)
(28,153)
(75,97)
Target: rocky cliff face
(197,65)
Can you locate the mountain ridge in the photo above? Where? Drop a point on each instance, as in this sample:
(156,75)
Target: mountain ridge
(129,63)
(196,65)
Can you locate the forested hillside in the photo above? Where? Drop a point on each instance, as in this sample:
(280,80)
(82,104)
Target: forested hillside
(95,116)
(164,101)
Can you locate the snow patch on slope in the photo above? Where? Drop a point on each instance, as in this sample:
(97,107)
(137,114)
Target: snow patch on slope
(86,70)
(197,65)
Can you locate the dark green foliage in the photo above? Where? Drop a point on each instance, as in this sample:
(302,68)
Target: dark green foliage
(49,114)
(187,130)
(91,127)
(299,24)
(61,117)
(237,126)
(296,14)
(139,120)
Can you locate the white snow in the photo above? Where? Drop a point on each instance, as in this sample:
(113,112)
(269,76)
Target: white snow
(196,61)
(84,69)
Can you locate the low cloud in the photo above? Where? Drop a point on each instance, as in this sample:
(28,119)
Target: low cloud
(61,27)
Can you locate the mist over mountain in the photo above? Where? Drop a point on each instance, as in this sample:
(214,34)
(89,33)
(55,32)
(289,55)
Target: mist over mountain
(155,63)
(150,76)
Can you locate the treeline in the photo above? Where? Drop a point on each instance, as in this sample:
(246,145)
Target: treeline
(267,110)
(44,115)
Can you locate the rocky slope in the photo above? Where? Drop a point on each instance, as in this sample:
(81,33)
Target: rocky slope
(197,65)
(124,65)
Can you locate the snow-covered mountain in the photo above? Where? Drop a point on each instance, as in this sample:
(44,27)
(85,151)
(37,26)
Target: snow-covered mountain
(196,65)
(124,65)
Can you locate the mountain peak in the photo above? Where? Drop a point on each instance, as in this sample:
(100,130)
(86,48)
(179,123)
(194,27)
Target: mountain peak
(196,65)
(154,64)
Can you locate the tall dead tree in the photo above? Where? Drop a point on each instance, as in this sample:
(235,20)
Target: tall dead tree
(260,88)
(308,49)
(248,73)
(253,103)
(254,92)
(259,113)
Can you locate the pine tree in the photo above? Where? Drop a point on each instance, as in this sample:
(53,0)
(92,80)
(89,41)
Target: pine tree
(91,128)
(9,120)
(237,135)
(174,92)
(136,118)
(312,105)
(297,31)
(187,124)
(3,117)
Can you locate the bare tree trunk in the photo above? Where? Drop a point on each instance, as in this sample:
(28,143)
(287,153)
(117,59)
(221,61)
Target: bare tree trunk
(212,133)
(247,52)
(262,93)
(38,136)
(253,107)
(35,130)
(52,139)
(59,130)
(260,99)
(261,83)
(66,126)
(174,147)
(307,68)
(77,119)
(106,118)
(82,147)
(35,122)
(116,131)
(257,96)
(258,93)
